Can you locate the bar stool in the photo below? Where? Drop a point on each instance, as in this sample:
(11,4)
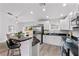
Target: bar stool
(12,45)
(65,48)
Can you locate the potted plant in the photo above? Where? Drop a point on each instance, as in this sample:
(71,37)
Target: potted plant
(19,34)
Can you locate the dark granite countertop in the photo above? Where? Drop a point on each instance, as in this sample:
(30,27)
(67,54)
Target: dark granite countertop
(55,34)
(22,39)
(35,41)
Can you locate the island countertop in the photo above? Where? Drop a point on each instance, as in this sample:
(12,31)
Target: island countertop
(35,40)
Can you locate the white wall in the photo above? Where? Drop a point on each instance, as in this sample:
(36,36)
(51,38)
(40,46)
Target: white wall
(24,24)
(5,21)
(0,26)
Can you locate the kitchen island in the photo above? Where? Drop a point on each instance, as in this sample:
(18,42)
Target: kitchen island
(29,45)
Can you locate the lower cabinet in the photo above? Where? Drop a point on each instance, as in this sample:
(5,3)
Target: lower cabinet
(53,40)
(35,50)
(26,48)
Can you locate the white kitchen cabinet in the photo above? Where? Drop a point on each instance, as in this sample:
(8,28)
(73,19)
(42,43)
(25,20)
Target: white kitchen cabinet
(65,24)
(26,48)
(35,50)
(53,40)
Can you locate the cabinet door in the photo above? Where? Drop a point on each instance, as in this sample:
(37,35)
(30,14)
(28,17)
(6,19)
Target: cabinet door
(53,40)
(26,48)
(65,24)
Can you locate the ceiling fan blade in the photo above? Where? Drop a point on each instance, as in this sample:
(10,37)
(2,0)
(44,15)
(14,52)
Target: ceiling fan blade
(10,13)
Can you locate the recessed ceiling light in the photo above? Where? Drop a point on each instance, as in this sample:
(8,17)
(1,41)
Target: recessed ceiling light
(44,9)
(61,15)
(64,5)
(70,13)
(16,21)
(47,16)
(31,12)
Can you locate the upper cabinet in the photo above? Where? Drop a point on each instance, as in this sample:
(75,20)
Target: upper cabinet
(75,21)
(65,24)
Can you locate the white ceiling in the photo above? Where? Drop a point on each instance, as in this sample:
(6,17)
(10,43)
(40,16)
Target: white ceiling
(22,10)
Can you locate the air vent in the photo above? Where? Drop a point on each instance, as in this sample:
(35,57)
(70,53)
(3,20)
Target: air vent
(10,13)
(42,4)
(43,20)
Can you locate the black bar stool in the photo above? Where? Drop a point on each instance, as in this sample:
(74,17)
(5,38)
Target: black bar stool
(12,45)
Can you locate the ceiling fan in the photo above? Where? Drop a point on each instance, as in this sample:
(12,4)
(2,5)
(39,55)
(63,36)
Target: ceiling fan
(9,13)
